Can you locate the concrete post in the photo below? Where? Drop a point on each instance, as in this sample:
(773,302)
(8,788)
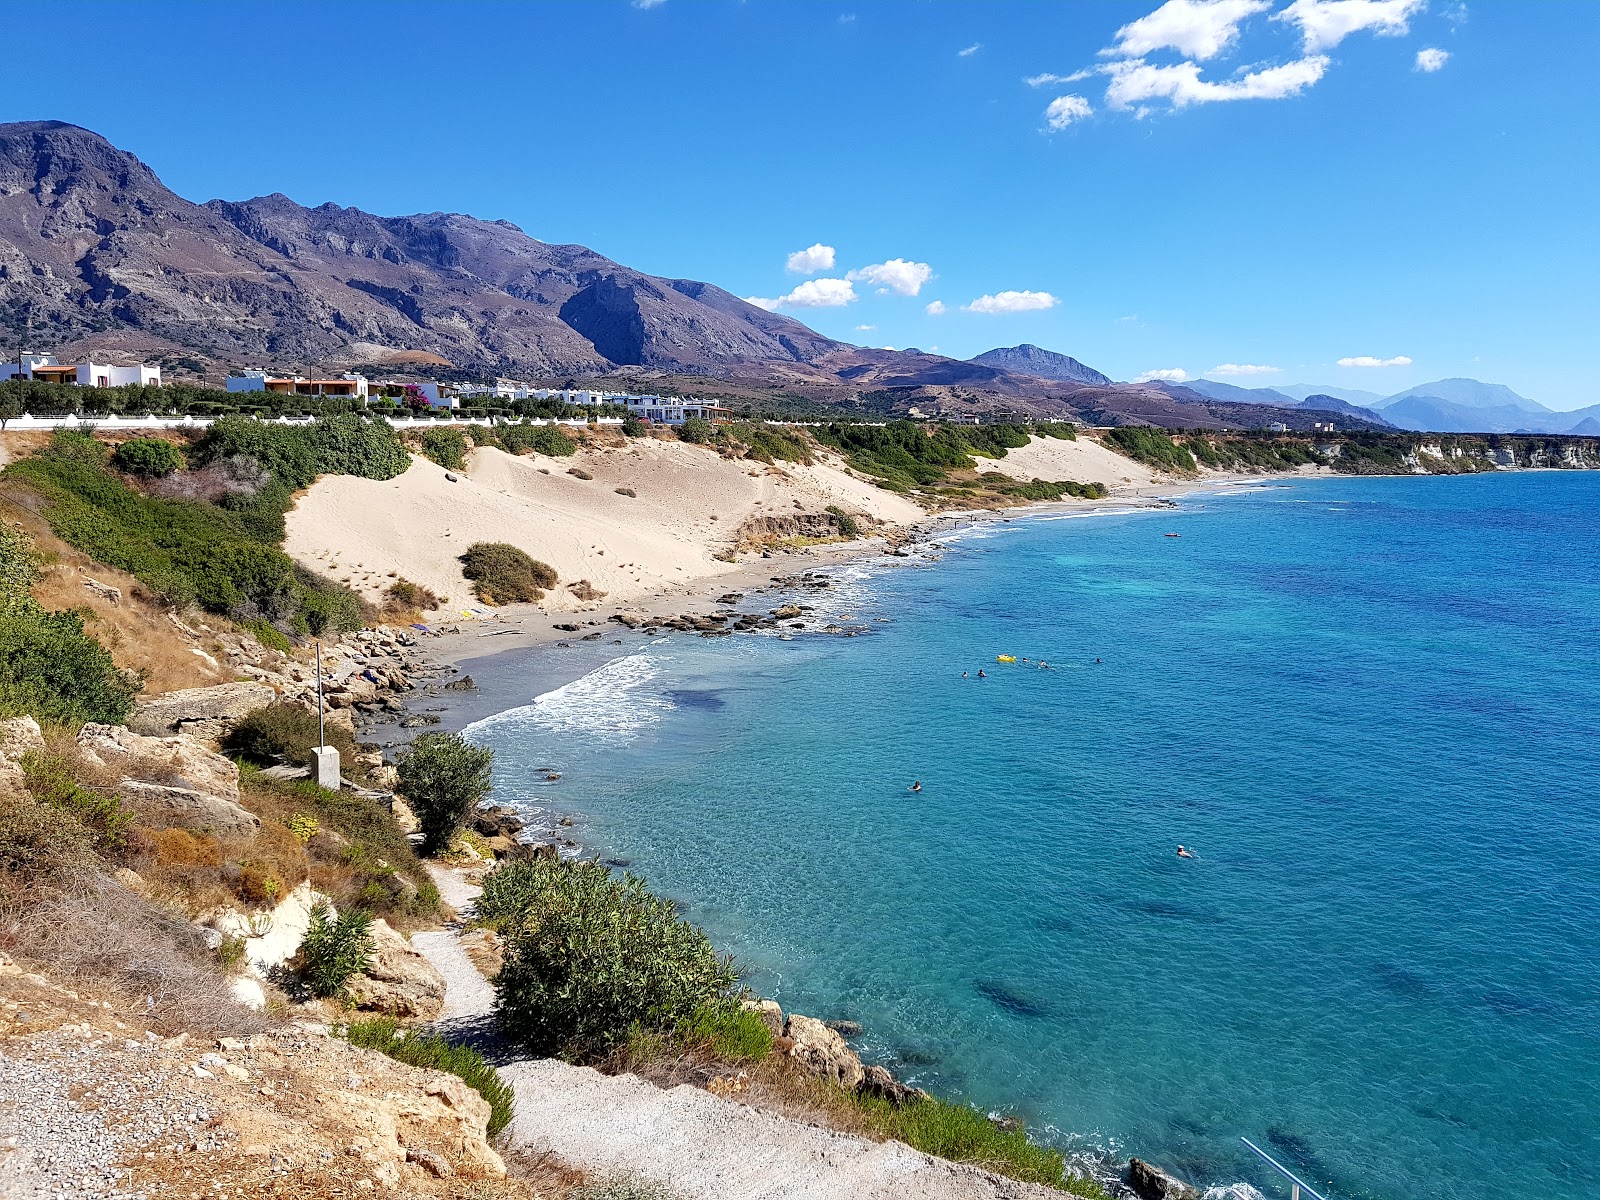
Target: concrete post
(325,765)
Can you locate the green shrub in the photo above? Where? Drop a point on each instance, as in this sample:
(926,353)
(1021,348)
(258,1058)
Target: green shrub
(697,430)
(503,574)
(536,438)
(76,446)
(443,778)
(267,634)
(50,781)
(375,851)
(1151,447)
(588,957)
(286,732)
(848,526)
(345,444)
(1064,430)
(1041,489)
(147,456)
(446,446)
(436,1054)
(633,427)
(335,950)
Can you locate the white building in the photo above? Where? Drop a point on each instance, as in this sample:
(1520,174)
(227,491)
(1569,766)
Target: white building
(671,410)
(46,369)
(354,386)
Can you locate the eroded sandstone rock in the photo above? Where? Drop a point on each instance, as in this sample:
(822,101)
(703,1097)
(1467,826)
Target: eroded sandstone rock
(1152,1183)
(400,982)
(820,1051)
(203,713)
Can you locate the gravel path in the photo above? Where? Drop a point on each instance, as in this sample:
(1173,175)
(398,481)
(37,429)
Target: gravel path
(701,1146)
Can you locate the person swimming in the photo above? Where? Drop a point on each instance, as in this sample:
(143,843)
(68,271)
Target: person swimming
(982,674)
(1182,853)
(963,674)
(917,786)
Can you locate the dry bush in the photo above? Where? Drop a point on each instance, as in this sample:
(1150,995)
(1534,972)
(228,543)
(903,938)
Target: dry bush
(584,590)
(102,935)
(41,849)
(404,599)
(227,476)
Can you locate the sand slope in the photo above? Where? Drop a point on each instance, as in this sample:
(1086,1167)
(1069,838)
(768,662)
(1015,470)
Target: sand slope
(689,503)
(1085,461)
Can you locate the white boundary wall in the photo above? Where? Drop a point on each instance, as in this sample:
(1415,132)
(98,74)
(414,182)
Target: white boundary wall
(73,421)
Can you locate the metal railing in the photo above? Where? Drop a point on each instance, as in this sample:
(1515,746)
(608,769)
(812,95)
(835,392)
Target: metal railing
(1299,1185)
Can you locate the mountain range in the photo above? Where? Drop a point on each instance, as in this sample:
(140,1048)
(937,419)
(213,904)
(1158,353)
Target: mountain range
(1444,406)
(97,256)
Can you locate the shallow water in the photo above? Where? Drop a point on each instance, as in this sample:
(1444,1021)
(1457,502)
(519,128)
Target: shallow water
(1367,705)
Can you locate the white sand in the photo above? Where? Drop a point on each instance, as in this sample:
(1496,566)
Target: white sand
(690,501)
(1084,461)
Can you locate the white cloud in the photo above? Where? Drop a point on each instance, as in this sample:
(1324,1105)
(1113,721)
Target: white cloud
(810,260)
(865,328)
(1011,302)
(1325,23)
(813,293)
(936,308)
(1049,80)
(1430,59)
(1243,369)
(1064,110)
(1194,28)
(1136,81)
(847,18)
(1367,360)
(648,3)
(970,50)
(1168,375)
(898,275)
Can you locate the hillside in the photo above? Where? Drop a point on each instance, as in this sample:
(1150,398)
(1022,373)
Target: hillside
(1046,364)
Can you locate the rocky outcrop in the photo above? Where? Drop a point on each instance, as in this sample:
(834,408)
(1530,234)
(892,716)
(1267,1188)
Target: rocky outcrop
(880,1084)
(1152,1183)
(163,805)
(206,714)
(820,1051)
(771,1015)
(18,736)
(400,982)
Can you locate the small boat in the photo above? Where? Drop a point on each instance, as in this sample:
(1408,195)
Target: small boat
(1005,658)
(1172,535)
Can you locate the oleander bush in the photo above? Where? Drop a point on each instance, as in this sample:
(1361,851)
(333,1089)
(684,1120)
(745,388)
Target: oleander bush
(589,957)
(443,777)
(436,1054)
(502,574)
(335,950)
(147,456)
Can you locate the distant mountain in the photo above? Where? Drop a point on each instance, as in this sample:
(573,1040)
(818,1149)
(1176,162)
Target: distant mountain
(1467,393)
(1334,404)
(1240,395)
(1046,364)
(1300,391)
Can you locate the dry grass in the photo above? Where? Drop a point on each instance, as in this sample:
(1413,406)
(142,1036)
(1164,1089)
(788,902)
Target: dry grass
(102,935)
(136,630)
(584,590)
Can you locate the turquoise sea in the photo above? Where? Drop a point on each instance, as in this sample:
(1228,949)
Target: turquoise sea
(1370,707)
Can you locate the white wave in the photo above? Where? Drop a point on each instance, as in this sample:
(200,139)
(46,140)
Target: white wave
(1232,1191)
(616,700)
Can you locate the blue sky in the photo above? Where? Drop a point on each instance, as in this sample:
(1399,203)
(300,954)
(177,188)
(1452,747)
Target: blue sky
(1256,183)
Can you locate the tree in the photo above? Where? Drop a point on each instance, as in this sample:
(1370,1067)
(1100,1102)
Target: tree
(443,778)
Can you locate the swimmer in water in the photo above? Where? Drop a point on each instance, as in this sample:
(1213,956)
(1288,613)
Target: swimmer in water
(1182,853)
(982,674)
(917,786)
(963,674)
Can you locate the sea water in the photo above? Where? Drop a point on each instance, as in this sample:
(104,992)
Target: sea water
(1371,709)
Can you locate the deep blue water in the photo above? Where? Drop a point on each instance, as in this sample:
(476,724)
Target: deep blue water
(1370,708)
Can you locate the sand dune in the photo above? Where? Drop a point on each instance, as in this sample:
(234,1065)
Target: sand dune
(689,503)
(1085,461)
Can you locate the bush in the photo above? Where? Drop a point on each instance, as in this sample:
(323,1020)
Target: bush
(446,446)
(147,456)
(335,950)
(50,781)
(436,1054)
(527,438)
(404,596)
(727,1032)
(40,844)
(697,430)
(1151,447)
(286,732)
(633,427)
(848,526)
(628,492)
(503,574)
(588,957)
(579,473)
(443,778)
(49,667)
(1064,430)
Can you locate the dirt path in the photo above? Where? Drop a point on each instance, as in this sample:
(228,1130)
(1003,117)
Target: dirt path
(699,1145)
